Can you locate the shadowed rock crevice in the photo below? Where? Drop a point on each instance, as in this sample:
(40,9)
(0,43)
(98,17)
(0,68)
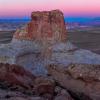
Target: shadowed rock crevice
(79,96)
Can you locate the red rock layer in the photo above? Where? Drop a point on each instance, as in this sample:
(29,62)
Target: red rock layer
(46,25)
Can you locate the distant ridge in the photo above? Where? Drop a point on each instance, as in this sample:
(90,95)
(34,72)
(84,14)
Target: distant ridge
(77,19)
(84,21)
(81,19)
(14,20)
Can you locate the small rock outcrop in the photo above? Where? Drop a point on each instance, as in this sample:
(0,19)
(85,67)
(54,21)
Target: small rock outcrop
(81,80)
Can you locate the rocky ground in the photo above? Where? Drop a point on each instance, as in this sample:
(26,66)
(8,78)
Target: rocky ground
(18,84)
(72,82)
(81,80)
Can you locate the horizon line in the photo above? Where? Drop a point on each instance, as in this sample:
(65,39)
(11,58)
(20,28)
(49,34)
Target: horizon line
(25,18)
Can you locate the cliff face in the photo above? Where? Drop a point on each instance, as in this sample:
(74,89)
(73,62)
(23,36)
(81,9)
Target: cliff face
(44,26)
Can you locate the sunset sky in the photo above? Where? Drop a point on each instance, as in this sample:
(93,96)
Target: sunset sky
(23,8)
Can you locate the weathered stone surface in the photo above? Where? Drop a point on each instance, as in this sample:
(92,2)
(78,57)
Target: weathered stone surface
(44,26)
(26,98)
(58,89)
(18,84)
(44,85)
(63,95)
(81,80)
(15,95)
(16,75)
(48,96)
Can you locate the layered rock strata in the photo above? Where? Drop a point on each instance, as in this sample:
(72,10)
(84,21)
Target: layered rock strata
(46,26)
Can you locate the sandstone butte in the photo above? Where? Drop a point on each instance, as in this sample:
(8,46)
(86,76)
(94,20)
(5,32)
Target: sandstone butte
(44,26)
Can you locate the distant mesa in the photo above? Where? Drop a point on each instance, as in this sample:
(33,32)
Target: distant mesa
(45,25)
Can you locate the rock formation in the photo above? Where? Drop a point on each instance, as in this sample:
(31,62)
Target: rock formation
(46,26)
(16,83)
(81,80)
(36,41)
(44,41)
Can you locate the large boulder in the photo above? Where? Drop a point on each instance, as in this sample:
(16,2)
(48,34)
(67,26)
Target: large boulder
(81,80)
